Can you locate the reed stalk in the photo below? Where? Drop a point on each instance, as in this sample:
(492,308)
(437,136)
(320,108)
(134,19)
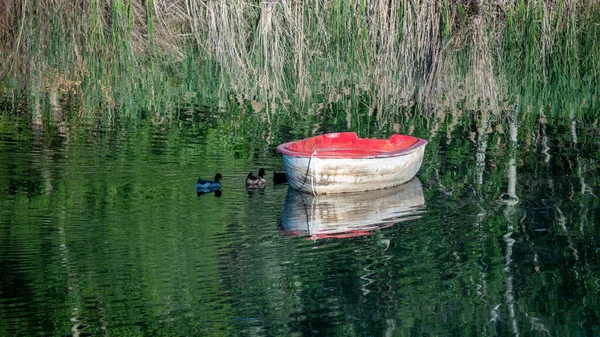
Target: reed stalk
(394,52)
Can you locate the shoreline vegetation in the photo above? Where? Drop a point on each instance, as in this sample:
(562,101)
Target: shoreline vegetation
(124,57)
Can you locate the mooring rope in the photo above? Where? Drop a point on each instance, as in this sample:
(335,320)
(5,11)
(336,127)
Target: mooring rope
(312,177)
(306,173)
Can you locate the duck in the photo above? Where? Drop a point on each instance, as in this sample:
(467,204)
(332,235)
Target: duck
(279,178)
(254,181)
(209,185)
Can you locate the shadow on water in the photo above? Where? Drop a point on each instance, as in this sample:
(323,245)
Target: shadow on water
(350,214)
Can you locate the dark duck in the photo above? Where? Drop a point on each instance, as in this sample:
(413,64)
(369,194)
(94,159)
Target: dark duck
(279,178)
(203,185)
(254,181)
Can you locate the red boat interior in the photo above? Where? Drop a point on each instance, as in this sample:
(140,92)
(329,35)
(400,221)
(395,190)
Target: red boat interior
(348,144)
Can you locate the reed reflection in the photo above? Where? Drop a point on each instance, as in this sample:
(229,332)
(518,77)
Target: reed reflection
(350,214)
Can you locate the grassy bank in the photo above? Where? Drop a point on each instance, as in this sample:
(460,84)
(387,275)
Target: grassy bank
(138,56)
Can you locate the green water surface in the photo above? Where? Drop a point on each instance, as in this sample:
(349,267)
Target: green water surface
(102,232)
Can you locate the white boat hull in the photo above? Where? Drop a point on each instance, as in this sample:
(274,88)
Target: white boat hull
(316,175)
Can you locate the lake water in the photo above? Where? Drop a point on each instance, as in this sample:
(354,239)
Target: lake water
(102,233)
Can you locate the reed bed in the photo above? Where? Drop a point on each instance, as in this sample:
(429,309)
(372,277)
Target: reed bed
(475,55)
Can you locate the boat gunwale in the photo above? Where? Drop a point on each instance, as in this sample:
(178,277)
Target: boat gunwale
(332,153)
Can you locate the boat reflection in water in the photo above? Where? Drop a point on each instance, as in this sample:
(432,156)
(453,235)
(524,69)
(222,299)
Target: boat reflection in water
(351,214)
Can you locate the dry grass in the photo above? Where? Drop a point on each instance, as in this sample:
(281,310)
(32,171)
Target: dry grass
(396,51)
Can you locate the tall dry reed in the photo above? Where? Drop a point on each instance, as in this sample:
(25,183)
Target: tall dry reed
(397,52)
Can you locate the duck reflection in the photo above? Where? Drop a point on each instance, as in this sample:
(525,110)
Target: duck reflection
(351,214)
(201,192)
(204,186)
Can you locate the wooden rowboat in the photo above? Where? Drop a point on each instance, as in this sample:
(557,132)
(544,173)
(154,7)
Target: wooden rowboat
(342,162)
(350,214)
